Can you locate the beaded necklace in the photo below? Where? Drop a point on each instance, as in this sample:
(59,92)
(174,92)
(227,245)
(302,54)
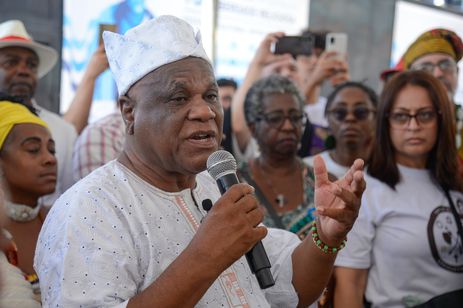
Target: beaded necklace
(281,200)
(21,212)
(297,220)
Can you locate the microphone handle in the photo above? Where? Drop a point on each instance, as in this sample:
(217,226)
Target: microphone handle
(226,181)
(257,257)
(260,265)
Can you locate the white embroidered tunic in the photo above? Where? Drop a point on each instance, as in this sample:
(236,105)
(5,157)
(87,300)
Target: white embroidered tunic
(112,234)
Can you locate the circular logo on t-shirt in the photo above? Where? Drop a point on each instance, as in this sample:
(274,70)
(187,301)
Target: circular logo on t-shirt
(444,239)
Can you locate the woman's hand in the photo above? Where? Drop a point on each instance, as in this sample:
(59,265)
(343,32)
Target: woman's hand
(264,55)
(97,64)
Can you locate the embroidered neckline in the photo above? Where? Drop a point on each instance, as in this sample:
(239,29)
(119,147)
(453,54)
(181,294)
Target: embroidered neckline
(21,212)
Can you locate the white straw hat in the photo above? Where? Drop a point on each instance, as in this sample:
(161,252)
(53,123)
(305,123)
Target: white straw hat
(14,34)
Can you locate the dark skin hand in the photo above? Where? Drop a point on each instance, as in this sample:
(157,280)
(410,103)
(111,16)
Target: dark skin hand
(185,281)
(337,205)
(231,229)
(174,105)
(237,216)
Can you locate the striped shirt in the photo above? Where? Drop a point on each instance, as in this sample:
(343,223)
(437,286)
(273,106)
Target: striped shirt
(99,143)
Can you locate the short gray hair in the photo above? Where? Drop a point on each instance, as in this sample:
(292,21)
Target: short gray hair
(274,84)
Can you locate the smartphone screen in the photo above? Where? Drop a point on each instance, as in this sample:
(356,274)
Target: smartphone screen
(337,42)
(294,45)
(105,27)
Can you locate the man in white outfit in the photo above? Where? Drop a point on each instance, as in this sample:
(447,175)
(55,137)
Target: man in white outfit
(133,233)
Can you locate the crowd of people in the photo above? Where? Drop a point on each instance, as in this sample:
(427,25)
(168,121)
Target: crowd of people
(356,197)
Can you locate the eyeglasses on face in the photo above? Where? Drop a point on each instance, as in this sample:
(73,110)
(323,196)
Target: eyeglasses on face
(277,118)
(402,119)
(446,66)
(360,113)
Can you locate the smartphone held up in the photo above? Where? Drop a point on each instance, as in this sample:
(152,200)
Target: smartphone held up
(105,27)
(337,42)
(313,43)
(294,45)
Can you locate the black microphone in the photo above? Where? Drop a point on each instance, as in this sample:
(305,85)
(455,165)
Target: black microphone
(222,167)
(207,205)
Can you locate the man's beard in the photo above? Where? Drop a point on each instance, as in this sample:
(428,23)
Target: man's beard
(21,93)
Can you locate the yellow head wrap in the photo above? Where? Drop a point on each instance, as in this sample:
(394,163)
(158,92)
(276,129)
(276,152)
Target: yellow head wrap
(15,113)
(434,41)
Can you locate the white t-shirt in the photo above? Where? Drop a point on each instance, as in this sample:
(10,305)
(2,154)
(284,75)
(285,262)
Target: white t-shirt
(112,234)
(333,167)
(64,135)
(408,239)
(316,112)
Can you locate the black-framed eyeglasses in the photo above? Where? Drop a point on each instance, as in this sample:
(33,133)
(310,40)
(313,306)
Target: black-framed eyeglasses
(277,118)
(360,113)
(402,119)
(446,66)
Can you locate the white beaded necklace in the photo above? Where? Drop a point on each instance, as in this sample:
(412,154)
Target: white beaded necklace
(21,212)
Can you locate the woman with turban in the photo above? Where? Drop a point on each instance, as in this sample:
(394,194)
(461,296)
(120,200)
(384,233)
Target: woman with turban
(27,159)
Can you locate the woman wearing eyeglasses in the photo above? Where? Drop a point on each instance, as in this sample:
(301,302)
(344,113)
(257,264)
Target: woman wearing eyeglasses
(284,184)
(406,246)
(350,111)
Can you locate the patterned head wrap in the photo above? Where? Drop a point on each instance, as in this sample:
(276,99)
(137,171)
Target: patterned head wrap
(434,41)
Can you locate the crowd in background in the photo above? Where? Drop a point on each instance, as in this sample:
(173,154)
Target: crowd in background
(406,246)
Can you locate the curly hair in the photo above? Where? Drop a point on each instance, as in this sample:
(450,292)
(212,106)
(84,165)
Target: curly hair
(274,84)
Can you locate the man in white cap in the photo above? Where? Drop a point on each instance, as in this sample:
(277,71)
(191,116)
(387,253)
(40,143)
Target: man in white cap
(22,62)
(132,233)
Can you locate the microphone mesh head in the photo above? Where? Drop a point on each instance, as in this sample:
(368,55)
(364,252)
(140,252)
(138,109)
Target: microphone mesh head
(220,162)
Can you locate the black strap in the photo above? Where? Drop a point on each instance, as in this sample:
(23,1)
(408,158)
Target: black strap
(306,140)
(455,214)
(227,142)
(262,199)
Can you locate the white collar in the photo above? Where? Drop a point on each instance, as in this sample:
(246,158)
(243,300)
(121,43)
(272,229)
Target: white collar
(36,106)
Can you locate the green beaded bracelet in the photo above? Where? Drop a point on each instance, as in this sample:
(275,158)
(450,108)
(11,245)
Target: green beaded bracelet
(322,246)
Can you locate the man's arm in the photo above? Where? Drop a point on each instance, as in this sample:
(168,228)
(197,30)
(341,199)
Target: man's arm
(79,110)
(337,205)
(182,284)
(311,271)
(315,71)
(228,231)
(262,58)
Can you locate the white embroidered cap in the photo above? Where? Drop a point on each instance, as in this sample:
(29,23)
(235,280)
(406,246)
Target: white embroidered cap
(148,46)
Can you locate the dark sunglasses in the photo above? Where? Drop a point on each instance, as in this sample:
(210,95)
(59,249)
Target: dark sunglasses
(276,119)
(360,113)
